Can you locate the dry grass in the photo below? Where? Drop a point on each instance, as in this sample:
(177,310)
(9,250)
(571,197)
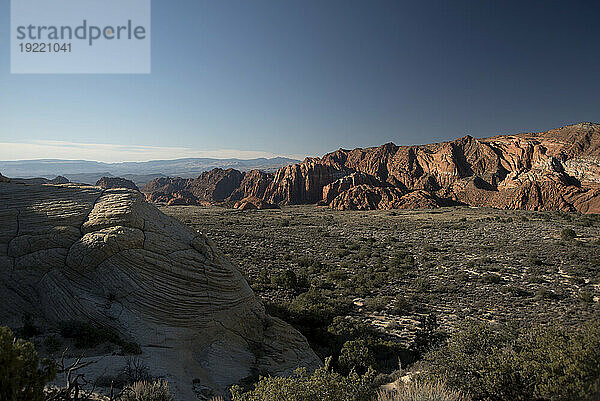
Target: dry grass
(420,391)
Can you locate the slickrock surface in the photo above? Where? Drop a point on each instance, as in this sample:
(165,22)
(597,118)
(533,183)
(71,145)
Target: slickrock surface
(116,182)
(108,257)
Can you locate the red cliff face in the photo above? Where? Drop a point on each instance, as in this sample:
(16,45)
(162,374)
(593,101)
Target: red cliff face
(253,184)
(553,170)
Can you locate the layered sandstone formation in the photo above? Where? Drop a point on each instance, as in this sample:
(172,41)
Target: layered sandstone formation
(553,170)
(110,258)
(254,183)
(211,186)
(116,182)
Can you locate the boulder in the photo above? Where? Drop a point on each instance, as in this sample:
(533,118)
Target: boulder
(252,202)
(110,258)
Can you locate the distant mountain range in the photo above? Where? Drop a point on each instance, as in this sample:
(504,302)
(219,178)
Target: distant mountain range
(139,172)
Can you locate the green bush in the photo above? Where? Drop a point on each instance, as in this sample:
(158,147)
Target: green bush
(146,391)
(130,348)
(491,278)
(22,377)
(322,385)
(286,279)
(86,335)
(568,234)
(503,364)
(356,355)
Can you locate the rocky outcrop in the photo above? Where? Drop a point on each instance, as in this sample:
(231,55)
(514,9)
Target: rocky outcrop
(366,197)
(553,170)
(116,182)
(215,185)
(302,183)
(3,178)
(110,258)
(254,183)
(331,191)
(59,180)
(253,203)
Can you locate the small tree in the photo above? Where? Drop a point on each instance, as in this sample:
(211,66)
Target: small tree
(22,376)
(286,279)
(356,355)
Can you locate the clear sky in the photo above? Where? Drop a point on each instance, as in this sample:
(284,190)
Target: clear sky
(304,77)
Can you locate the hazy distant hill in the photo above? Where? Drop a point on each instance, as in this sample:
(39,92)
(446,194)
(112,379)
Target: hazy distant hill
(139,172)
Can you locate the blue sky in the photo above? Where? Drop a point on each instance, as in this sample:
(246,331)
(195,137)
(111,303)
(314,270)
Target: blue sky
(281,77)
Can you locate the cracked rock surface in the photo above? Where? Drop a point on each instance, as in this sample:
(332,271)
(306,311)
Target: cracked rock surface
(108,257)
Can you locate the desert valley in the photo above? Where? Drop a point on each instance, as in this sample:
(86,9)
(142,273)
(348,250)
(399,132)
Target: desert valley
(466,270)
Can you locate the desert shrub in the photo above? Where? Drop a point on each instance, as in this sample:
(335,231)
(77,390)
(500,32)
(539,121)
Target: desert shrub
(421,391)
(356,355)
(337,276)
(422,284)
(86,335)
(567,234)
(428,336)
(402,260)
(318,307)
(348,329)
(378,303)
(130,348)
(29,328)
(22,376)
(504,364)
(586,296)
(135,371)
(147,391)
(491,278)
(52,344)
(286,279)
(323,385)
(400,306)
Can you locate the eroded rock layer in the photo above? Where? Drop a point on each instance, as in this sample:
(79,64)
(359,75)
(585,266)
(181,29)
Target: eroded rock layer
(109,257)
(553,170)
(211,186)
